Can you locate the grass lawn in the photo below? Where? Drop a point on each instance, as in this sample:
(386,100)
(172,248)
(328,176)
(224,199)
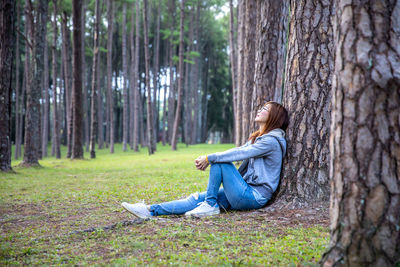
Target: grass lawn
(43,210)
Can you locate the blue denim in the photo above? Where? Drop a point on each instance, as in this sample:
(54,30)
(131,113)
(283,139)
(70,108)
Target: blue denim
(236,194)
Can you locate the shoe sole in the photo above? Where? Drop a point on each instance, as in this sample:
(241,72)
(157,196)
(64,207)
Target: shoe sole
(134,213)
(203,214)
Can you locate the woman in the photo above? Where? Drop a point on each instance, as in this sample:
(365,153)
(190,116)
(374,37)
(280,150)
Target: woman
(249,187)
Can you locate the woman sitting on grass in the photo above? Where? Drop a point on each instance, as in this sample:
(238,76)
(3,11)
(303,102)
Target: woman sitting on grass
(249,187)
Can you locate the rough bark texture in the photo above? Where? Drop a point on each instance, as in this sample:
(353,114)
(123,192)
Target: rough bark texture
(46,105)
(248,65)
(32,131)
(84,81)
(307,98)
(93,107)
(270,53)
(17,83)
(147,72)
(136,81)
(175,131)
(100,82)
(125,76)
(233,59)
(156,65)
(196,82)
(56,125)
(6,55)
(110,109)
(240,62)
(171,93)
(365,140)
(77,148)
(187,114)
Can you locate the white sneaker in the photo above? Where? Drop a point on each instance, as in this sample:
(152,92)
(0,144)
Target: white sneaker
(140,210)
(204,209)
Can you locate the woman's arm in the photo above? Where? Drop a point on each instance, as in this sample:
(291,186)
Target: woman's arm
(262,147)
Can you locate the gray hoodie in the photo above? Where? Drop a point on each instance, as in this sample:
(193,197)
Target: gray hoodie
(262,161)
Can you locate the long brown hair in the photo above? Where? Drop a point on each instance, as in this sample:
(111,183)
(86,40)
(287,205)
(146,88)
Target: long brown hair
(277,118)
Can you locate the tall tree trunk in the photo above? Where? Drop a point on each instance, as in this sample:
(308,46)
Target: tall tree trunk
(77,149)
(204,109)
(175,131)
(196,84)
(233,58)
(85,85)
(307,97)
(171,94)
(248,66)
(45,124)
(17,83)
(100,82)
(132,79)
(32,131)
(125,75)
(165,99)
(110,106)
(6,55)
(136,82)
(56,127)
(187,119)
(240,61)
(67,81)
(364,141)
(147,70)
(155,78)
(270,53)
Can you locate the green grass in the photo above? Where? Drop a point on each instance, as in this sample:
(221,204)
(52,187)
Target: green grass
(41,207)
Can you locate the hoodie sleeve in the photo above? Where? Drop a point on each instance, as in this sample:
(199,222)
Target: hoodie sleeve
(262,147)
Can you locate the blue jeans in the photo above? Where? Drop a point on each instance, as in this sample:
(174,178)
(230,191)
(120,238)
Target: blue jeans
(236,194)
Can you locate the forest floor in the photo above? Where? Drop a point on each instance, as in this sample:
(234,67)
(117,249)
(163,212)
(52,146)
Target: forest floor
(68,212)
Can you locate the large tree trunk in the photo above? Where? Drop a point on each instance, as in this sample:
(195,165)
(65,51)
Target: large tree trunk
(100,82)
(46,106)
(307,98)
(136,82)
(233,59)
(187,119)
(147,67)
(175,130)
(32,131)
(6,55)
(17,83)
(248,66)
(56,127)
(240,69)
(364,141)
(270,53)
(125,76)
(77,114)
(110,106)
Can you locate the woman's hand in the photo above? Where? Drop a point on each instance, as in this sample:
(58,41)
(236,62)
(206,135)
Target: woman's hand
(201,163)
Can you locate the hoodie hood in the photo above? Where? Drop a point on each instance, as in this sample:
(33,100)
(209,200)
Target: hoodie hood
(280,134)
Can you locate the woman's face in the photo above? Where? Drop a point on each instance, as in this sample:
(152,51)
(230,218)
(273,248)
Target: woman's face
(262,114)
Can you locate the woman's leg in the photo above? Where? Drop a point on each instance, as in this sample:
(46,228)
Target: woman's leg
(181,206)
(237,191)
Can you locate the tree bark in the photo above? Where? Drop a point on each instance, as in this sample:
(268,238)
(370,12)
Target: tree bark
(270,54)
(240,62)
(56,127)
(85,85)
(165,99)
(6,54)
(125,76)
(187,87)
(136,82)
(17,83)
(248,66)
(110,106)
(307,96)
(233,59)
(77,148)
(171,93)
(155,79)
(147,67)
(100,82)
(175,131)
(46,106)
(364,141)
(32,131)
(196,83)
